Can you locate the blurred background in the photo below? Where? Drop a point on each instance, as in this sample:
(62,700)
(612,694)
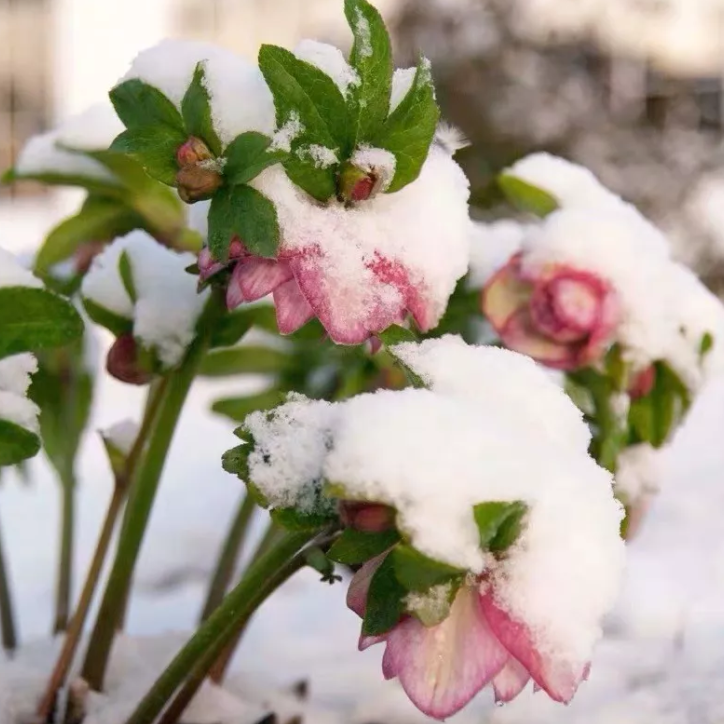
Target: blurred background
(634,89)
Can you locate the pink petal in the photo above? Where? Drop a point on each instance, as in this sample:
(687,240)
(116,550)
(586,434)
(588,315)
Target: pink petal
(366,641)
(505,294)
(293,310)
(510,681)
(207,266)
(442,667)
(559,678)
(360,584)
(519,334)
(257,277)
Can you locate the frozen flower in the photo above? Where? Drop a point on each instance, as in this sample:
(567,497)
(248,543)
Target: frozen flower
(562,316)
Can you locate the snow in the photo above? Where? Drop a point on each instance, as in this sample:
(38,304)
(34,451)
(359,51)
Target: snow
(376,160)
(121,435)
(285,135)
(363,34)
(321,156)
(484,406)
(14,274)
(638,471)
(402,81)
(240,99)
(329,60)
(92,130)
(167,304)
(491,247)
(405,228)
(450,137)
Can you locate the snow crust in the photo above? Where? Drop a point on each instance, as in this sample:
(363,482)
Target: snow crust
(330,60)
(167,305)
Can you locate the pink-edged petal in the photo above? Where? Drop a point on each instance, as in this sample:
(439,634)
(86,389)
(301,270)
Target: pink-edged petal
(207,266)
(360,585)
(559,678)
(293,310)
(256,277)
(366,641)
(505,294)
(519,334)
(510,681)
(327,298)
(441,668)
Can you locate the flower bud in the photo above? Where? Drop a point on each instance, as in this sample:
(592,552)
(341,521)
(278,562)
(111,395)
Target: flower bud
(125,364)
(192,152)
(354,184)
(643,383)
(367,517)
(196,183)
(85,254)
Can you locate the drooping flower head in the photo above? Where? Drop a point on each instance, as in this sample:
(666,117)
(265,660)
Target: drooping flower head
(475,559)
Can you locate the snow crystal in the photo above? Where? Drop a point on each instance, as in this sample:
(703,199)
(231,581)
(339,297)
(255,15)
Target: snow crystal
(122,435)
(167,305)
(290,447)
(376,160)
(424,228)
(491,248)
(402,81)
(14,274)
(451,138)
(321,156)
(284,136)
(92,130)
(363,34)
(330,60)
(240,99)
(15,375)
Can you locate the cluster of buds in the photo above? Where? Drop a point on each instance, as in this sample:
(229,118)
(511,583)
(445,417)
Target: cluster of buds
(199,175)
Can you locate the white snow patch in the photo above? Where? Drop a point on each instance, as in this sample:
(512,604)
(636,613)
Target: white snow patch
(14,274)
(239,97)
(15,407)
(451,138)
(321,156)
(284,136)
(92,130)
(402,81)
(425,228)
(378,161)
(330,60)
(122,435)
(363,34)
(167,305)
(491,247)
(639,471)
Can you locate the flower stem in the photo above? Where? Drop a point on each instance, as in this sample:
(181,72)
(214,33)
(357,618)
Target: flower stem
(141,499)
(205,664)
(65,563)
(213,634)
(7,616)
(229,556)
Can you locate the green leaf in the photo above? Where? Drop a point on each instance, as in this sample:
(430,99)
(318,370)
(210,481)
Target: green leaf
(244,361)
(237,408)
(154,148)
(126,271)
(196,111)
(527,197)
(499,524)
(354,547)
(236,460)
(707,342)
(396,335)
(417,572)
(293,519)
(232,327)
(410,128)
(371,57)
(93,185)
(139,104)
(34,319)
(290,81)
(385,605)
(16,443)
(114,323)
(99,219)
(248,155)
(244,212)
(641,419)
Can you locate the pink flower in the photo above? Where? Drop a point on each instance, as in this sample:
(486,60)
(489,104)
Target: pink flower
(302,291)
(442,667)
(563,317)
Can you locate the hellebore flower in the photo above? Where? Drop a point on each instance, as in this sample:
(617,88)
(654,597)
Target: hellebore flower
(563,317)
(443,666)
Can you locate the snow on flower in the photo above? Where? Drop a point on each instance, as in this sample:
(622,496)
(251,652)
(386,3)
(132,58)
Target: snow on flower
(165,304)
(593,273)
(432,455)
(92,130)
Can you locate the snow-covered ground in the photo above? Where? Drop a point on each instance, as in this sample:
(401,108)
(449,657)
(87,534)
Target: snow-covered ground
(661,662)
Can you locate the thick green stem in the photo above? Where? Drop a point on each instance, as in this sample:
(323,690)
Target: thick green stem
(205,665)
(65,563)
(213,634)
(7,617)
(142,496)
(229,556)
